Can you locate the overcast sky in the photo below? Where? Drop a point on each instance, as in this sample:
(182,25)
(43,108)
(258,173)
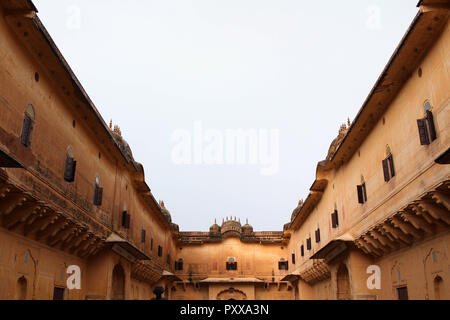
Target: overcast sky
(160,69)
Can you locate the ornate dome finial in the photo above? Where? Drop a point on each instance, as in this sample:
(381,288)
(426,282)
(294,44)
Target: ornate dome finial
(117,130)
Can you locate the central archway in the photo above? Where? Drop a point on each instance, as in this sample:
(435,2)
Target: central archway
(21,288)
(343,283)
(118,283)
(231,294)
(438,284)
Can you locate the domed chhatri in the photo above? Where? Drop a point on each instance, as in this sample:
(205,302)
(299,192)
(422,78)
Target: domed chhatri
(247,229)
(164,211)
(338,140)
(215,228)
(296,210)
(122,143)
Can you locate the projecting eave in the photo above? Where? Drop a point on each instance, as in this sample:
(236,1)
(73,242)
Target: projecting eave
(169,276)
(422,33)
(444,158)
(127,249)
(8,161)
(292,277)
(319,185)
(334,248)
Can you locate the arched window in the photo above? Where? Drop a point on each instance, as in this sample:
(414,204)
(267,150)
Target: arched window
(231,263)
(21,288)
(362,193)
(98,192)
(335,218)
(308,244)
(126,218)
(388,151)
(438,284)
(71,164)
(27,128)
(427,129)
(179,264)
(283,264)
(388,165)
(317,234)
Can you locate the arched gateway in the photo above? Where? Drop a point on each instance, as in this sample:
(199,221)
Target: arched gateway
(118,283)
(231,294)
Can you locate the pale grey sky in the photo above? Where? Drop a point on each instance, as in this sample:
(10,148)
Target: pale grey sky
(156,67)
